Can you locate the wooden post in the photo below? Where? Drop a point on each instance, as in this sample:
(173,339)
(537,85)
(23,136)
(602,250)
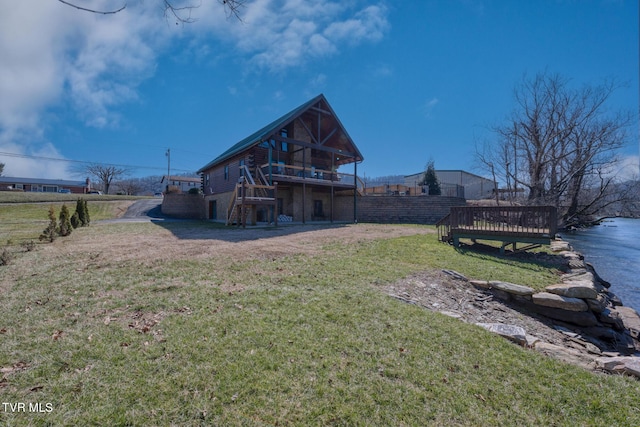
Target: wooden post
(304,201)
(355,192)
(275,204)
(242,207)
(270,164)
(332,202)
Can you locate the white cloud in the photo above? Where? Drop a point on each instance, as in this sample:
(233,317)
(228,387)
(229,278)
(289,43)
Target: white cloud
(55,56)
(277,35)
(628,168)
(429,106)
(369,24)
(32,162)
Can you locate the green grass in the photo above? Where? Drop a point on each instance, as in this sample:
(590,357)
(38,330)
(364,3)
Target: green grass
(23,222)
(35,197)
(289,340)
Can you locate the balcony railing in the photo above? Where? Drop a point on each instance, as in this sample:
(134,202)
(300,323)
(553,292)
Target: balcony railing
(297,173)
(528,224)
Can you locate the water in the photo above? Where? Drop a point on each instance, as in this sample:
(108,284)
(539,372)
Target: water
(613,248)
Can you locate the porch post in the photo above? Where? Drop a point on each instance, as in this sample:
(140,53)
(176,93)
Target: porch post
(304,184)
(331,176)
(274,208)
(304,200)
(270,168)
(355,192)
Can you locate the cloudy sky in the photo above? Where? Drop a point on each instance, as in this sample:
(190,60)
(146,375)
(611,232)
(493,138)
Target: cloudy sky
(410,81)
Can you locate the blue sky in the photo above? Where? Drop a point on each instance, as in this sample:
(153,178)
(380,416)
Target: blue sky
(410,81)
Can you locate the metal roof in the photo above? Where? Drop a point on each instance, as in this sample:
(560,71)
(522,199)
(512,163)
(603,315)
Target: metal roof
(273,127)
(42,181)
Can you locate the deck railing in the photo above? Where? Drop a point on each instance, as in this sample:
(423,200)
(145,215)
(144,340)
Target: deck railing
(307,172)
(508,221)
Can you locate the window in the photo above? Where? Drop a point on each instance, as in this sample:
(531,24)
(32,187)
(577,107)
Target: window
(226,172)
(317,208)
(49,189)
(19,186)
(283,145)
(241,167)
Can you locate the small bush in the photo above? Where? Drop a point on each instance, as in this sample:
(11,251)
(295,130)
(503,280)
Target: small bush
(29,246)
(65,228)
(51,232)
(75,220)
(5,257)
(82,212)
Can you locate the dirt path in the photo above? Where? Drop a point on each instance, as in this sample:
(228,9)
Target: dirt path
(181,240)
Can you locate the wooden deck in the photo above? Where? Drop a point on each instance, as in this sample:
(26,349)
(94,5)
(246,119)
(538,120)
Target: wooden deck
(534,225)
(247,196)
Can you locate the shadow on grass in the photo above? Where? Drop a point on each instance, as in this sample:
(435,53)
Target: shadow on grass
(538,259)
(206,230)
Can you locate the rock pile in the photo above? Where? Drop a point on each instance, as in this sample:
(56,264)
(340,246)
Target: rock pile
(582,307)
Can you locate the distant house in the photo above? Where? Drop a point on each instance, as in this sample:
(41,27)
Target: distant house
(182,183)
(292,170)
(456,183)
(41,185)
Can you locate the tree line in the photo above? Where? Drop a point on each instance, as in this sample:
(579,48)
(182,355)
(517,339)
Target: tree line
(560,146)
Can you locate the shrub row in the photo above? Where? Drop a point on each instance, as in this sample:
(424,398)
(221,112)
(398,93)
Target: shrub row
(66,223)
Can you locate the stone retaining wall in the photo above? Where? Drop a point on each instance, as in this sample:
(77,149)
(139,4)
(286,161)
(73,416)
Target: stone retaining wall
(584,303)
(405,209)
(184,205)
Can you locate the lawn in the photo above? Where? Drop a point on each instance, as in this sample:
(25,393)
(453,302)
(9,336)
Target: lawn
(186,324)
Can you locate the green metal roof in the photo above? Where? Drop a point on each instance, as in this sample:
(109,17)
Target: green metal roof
(264,133)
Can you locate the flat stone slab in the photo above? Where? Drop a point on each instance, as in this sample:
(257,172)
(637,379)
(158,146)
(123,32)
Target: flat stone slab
(511,288)
(511,332)
(581,289)
(630,319)
(597,305)
(566,354)
(481,284)
(629,365)
(547,299)
(580,318)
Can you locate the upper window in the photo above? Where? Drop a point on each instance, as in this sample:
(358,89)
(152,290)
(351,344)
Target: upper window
(226,172)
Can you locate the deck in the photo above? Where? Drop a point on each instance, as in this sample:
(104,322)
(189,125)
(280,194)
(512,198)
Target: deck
(534,225)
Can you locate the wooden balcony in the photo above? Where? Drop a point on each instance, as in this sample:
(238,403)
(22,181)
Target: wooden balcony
(246,197)
(310,175)
(535,225)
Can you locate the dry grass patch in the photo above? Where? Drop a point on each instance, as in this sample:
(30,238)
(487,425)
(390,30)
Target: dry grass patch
(189,324)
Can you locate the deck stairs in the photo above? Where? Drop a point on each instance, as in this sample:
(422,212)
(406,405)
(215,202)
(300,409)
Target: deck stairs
(248,194)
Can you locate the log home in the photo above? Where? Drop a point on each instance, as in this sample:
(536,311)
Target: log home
(293,169)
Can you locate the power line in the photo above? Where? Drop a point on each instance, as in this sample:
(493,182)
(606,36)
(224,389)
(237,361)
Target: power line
(28,156)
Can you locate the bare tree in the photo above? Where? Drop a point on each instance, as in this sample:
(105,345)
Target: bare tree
(177,9)
(104,174)
(131,186)
(1,168)
(560,145)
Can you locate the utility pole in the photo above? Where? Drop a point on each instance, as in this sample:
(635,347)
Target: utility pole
(168,154)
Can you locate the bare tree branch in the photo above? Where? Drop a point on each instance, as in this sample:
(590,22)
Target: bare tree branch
(101,12)
(182,14)
(558,143)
